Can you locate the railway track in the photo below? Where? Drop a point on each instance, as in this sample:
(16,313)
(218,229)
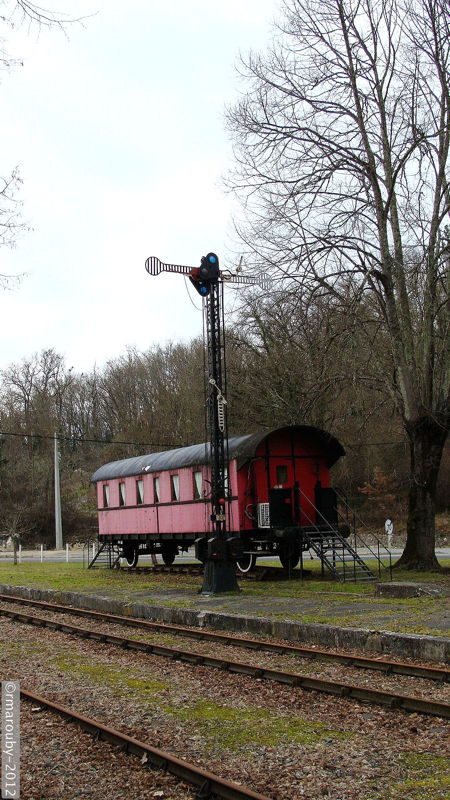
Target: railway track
(258,573)
(363,662)
(385,698)
(209,784)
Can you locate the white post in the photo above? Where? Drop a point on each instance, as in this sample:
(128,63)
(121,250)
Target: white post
(67,553)
(389,528)
(58,520)
(20,553)
(42,553)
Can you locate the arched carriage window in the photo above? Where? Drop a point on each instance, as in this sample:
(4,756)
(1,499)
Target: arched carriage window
(105,495)
(197,477)
(282,475)
(122,495)
(175,487)
(156,490)
(139,492)
(226,481)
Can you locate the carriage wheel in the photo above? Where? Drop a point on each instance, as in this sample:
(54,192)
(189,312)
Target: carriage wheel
(247,562)
(289,555)
(168,552)
(131,554)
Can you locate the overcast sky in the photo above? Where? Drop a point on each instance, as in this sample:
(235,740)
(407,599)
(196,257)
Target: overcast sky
(119,135)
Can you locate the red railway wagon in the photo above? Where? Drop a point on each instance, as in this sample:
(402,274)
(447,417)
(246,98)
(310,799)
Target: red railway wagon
(278,489)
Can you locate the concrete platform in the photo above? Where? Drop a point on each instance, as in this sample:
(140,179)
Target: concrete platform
(256,615)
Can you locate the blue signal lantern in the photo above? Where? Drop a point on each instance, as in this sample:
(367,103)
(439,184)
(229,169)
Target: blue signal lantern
(209,268)
(206,274)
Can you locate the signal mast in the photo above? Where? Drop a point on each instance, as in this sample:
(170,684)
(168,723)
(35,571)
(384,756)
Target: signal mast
(219,552)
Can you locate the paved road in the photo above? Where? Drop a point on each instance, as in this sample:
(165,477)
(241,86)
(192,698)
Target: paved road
(76,555)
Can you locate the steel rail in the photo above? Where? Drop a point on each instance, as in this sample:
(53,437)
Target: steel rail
(363,662)
(338,688)
(210,785)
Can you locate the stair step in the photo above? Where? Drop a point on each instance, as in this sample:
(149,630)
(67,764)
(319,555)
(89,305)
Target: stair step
(338,556)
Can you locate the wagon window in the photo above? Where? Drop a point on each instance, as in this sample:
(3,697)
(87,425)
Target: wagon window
(175,487)
(281,475)
(139,492)
(197,485)
(156,489)
(105,495)
(226,481)
(122,494)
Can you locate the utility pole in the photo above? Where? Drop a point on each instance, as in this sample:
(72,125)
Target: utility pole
(220,551)
(58,518)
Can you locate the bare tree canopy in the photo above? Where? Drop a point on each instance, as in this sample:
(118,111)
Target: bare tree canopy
(342,156)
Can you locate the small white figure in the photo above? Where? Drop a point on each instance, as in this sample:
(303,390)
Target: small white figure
(389,528)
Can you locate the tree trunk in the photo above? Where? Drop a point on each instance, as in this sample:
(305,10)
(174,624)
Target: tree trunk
(427,439)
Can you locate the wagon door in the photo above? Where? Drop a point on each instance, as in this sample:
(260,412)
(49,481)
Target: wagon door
(283,496)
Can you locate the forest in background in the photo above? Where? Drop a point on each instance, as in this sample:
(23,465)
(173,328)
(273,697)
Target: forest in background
(288,362)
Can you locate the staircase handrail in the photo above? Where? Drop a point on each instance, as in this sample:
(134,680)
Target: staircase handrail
(357,519)
(356,535)
(337,536)
(86,549)
(113,554)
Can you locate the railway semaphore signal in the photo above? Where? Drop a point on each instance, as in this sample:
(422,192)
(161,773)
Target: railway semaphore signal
(220,552)
(207,274)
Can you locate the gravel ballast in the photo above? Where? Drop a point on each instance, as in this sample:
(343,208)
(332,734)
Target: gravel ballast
(280,741)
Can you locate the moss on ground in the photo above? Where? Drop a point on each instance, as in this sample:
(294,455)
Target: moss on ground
(237,728)
(422,776)
(119,680)
(222,726)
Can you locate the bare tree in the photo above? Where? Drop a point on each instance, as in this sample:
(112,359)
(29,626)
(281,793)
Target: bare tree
(22,12)
(342,151)
(13,14)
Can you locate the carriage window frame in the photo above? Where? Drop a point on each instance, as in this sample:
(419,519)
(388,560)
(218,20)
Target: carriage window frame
(105,494)
(156,490)
(122,494)
(175,487)
(197,482)
(139,492)
(226,482)
(282,474)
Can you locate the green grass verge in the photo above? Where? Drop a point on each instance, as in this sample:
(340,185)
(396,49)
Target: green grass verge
(312,600)
(74,577)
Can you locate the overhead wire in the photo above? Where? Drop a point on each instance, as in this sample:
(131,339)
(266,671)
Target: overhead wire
(171,445)
(82,439)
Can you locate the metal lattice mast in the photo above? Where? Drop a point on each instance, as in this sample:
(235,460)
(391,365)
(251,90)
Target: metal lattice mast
(217,406)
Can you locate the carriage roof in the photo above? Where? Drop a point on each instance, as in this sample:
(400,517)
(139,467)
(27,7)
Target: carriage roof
(241,448)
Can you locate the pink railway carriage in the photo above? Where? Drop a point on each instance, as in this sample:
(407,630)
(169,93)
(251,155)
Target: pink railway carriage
(279,483)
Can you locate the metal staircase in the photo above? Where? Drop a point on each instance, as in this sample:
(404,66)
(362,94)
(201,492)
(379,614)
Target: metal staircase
(107,555)
(337,555)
